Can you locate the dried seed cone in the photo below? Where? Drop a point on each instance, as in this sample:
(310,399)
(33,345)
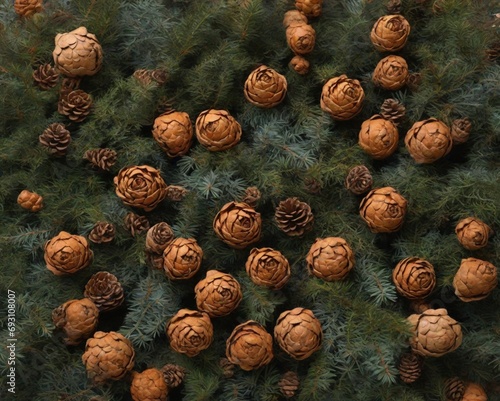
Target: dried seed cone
(265,87)
(383,209)
(378,137)
(78,319)
(158,237)
(393,7)
(77,53)
(75,105)
(359,180)
(330,258)
(218,294)
(173,375)
(454,389)
(136,224)
(252,196)
(300,65)
(67,253)
(26,8)
(176,193)
(294,217)
(108,356)
(101,158)
(342,97)
(56,139)
(434,333)
(410,367)
(217,130)
(182,258)
(460,130)
(249,346)
(474,392)
(45,76)
(298,332)
(140,186)
(146,77)
(473,233)
(289,384)
(414,277)
(148,385)
(104,289)
(102,233)
(238,225)
(301,38)
(268,267)
(310,8)
(294,17)
(30,200)
(173,131)
(391,73)
(390,33)
(312,185)
(190,332)
(428,140)
(227,367)
(393,110)
(475,279)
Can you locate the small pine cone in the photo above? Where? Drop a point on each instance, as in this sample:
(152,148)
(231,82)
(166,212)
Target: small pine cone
(26,8)
(104,289)
(30,201)
(252,196)
(146,77)
(158,237)
(313,186)
(173,375)
(393,7)
(148,385)
(393,110)
(383,210)
(159,75)
(391,73)
(56,138)
(288,384)
(454,389)
(143,76)
(75,105)
(301,39)
(310,8)
(154,260)
(227,367)
(300,65)
(102,232)
(419,305)
(460,130)
(70,84)
(77,318)
(176,193)
(182,258)
(410,367)
(294,217)
(359,180)
(102,158)
(414,81)
(294,17)
(473,233)
(45,76)
(474,392)
(67,253)
(136,224)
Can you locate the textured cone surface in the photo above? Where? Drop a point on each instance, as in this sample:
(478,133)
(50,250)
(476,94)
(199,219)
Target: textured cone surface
(104,289)
(342,97)
(414,277)
(217,130)
(454,389)
(410,367)
(173,375)
(330,258)
(383,209)
(391,73)
(460,130)
(148,385)
(30,200)
(289,384)
(393,110)
(378,137)
(102,158)
(428,140)
(294,17)
(56,138)
(78,319)
(393,7)
(310,8)
(301,38)
(76,105)
(158,237)
(102,232)
(252,196)
(474,392)
(268,267)
(176,193)
(359,180)
(312,185)
(173,132)
(265,87)
(475,279)
(136,224)
(294,217)
(227,367)
(182,258)
(190,332)
(218,294)
(46,76)
(390,33)
(300,65)
(473,233)
(26,8)
(67,253)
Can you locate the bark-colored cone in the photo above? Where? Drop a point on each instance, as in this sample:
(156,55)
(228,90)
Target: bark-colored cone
(294,17)
(410,367)
(378,137)
(383,209)
(173,375)
(390,33)
(300,65)
(268,267)
(217,130)
(136,224)
(102,232)
(218,294)
(67,253)
(294,217)
(56,139)
(78,319)
(454,389)
(473,233)
(265,87)
(428,140)
(45,76)
(173,131)
(342,97)
(359,180)
(330,258)
(182,258)
(391,73)
(158,237)
(149,385)
(75,104)
(104,289)
(101,158)
(460,130)
(26,8)
(393,110)
(252,196)
(310,8)
(475,279)
(301,38)
(30,200)
(474,392)
(414,277)
(190,332)
(289,384)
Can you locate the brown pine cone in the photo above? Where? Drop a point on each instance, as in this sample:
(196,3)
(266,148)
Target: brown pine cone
(301,38)
(474,392)
(190,332)
(173,375)
(410,367)
(475,279)
(104,289)
(173,132)
(182,258)
(154,260)
(45,76)
(146,77)
(67,253)
(312,185)
(217,130)
(136,224)
(148,385)
(102,158)
(294,217)
(78,319)
(359,180)
(102,232)
(218,294)
(454,389)
(428,140)
(393,110)
(460,130)
(268,267)
(294,17)
(330,258)
(158,237)
(227,367)
(75,105)
(390,33)
(56,138)
(414,81)
(383,209)
(300,65)
(310,8)
(298,332)
(414,277)
(252,196)
(391,73)
(176,193)
(342,97)
(393,7)
(419,305)
(108,356)
(473,233)
(289,384)
(26,8)
(265,87)
(249,346)
(378,137)
(30,200)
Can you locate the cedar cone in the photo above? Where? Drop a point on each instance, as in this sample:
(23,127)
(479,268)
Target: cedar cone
(391,73)
(359,180)
(434,333)
(75,105)
(298,332)
(419,305)
(217,130)
(414,81)
(342,97)
(26,8)
(136,224)
(146,77)
(77,53)
(158,237)
(393,7)
(148,385)
(473,233)
(173,375)
(460,130)
(140,186)
(454,389)
(108,356)
(249,346)
(218,294)
(102,232)
(312,185)
(294,217)
(289,384)
(378,137)
(383,209)
(190,332)
(300,65)
(390,33)
(310,8)
(56,138)
(268,268)
(30,200)
(393,110)
(104,289)
(173,131)
(176,193)
(410,367)
(428,140)
(475,279)
(67,253)
(330,258)
(265,87)
(102,158)
(45,76)
(294,17)
(238,225)
(301,38)
(77,318)
(227,367)
(154,260)
(252,196)
(182,258)
(414,277)
(474,392)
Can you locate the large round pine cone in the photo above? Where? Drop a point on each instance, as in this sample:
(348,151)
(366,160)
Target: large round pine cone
(238,225)
(393,110)
(67,253)
(460,130)
(136,224)
(342,97)
(294,217)
(104,289)
(410,367)
(298,332)
(301,38)
(474,392)
(56,139)
(158,237)
(77,53)
(148,385)
(428,140)
(217,130)
(454,389)
(265,87)
(78,319)
(140,186)
(391,73)
(414,277)
(75,105)
(473,233)
(300,65)
(26,8)
(101,158)
(173,131)
(173,375)
(218,294)
(249,346)
(310,8)
(390,33)
(30,200)
(475,279)
(289,384)
(378,137)
(45,76)
(268,267)
(108,356)
(190,332)
(330,258)
(434,333)
(359,180)
(383,209)
(102,232)
(182,258)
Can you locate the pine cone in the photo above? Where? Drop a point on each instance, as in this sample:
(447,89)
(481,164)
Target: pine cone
(217,130)
(473,233)
(249,346)
(252,196)
(227,367)
(173,131)
(294,217)
(391,73)
(410,367)
(182,258)
(268,267)
(393,110)
(454,389)
(301,38)
(176,193)
(289,384)
(102,158)
(136,224)
(414,277)
(146,77)
(190,332)
(342,98)
(154,260)
(102,232)
(104,289)
(390,33)
(218,294)
(26,8)
(330,258)
(298,332)
(45,76)
(414,81)
(67,253)
(474,392)
(30,200)
(428,140)
(393,7)
(265,87)
(383,209)
(359,180)
(173,375)
(294,17)
(108,356)
(419,305)
(312,185)
(56,138)
(77,318)
(148,385)
(75,105)
(310,8)
(158,237)
(475,279)
(300,65)
(378,137)
(460,130)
